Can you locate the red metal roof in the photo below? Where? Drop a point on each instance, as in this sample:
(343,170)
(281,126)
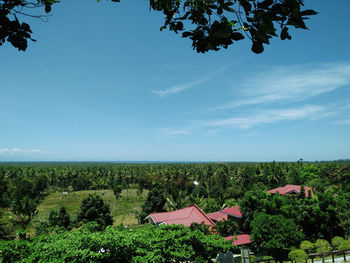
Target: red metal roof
(232,211)
(290,189)
(218,216)
(239,240)
(185,216)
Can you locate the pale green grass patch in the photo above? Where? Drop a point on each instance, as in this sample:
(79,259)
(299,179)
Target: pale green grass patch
(124,210)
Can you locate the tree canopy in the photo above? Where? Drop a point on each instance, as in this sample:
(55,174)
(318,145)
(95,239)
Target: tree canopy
(210,24)
(142,244)
(60,218)
(93,208)
(275,234)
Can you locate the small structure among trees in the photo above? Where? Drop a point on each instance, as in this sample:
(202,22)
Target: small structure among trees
(228,213)
(291,189)
(242,241)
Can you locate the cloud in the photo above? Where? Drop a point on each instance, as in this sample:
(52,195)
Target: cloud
(170,132)
(18,151)
(267,116)
(294,83)
(179,88)
(191,84)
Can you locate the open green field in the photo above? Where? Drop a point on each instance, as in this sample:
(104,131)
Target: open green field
(124,210)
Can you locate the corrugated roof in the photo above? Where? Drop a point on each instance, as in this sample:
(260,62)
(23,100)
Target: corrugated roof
(290,189)
(232,211)
(239,239)
(185,216)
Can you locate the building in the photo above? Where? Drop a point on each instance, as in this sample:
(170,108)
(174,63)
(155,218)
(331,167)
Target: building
(228,213)
(243,242)
(185,216)
(291,189)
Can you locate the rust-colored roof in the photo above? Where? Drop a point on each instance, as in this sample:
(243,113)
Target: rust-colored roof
(239,240)
(185,216)
(290,189)
(232,211)
(218,216)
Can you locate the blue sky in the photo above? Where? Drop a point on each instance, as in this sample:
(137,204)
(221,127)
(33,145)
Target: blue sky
(102,83)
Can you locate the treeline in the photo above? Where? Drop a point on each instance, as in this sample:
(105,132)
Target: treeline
(235,179)
(277,223)
(173,185)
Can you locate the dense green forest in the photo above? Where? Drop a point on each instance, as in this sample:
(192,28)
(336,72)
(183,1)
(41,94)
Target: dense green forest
(171,186)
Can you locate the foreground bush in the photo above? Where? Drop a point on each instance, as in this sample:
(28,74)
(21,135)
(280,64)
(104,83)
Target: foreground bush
(298,255)
(144,244)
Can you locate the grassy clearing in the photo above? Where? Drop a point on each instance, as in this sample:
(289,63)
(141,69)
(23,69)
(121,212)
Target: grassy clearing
(123,210)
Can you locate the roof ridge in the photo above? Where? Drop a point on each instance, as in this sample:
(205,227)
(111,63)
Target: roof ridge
(205,215)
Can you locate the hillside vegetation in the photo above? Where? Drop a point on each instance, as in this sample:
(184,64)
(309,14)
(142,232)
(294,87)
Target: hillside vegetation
(34,206)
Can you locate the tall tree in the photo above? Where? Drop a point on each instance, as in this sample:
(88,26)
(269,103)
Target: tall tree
(154,203)
(60,218)
(24,210)
(251,203)
(93,208)
(275,234)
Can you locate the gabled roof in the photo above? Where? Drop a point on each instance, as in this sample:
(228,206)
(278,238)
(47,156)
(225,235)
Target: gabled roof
(185,216)
(218,216)
(225,213)
(232,211)
(239,239)
(290,189)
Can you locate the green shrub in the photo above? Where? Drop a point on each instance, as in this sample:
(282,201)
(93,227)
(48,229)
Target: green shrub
(336,241)
(14,251)
(307,246)
(344,245)
(322,246)
(298,255)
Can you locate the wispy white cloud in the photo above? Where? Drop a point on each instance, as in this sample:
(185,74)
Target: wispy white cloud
(175,132)
(295,83)
(191,84)
(267,116)
(18,151)
(179,88)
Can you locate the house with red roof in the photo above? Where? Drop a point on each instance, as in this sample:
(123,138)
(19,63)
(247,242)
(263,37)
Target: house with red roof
(228,213)
(185,216)
(232,211)
(291,189)
(218,216)
(193,214)
(239,240)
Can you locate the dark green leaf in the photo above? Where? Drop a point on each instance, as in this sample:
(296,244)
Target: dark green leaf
(237,36)
(308,12)
(257,47)
(284,33)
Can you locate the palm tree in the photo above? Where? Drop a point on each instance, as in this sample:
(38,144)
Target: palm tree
(23,211)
